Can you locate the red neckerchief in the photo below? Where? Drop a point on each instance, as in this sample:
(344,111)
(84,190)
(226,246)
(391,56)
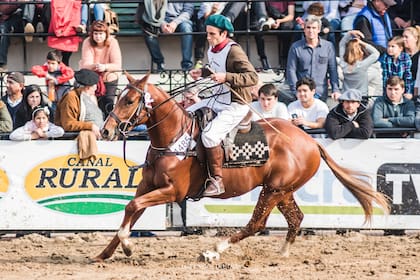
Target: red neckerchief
(220,46)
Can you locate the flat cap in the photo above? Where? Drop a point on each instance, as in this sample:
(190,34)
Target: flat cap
(16,77)
(86,77)
(221,22)
(351,95)
(389,3)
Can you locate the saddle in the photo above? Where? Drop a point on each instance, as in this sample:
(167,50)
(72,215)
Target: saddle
(245,145)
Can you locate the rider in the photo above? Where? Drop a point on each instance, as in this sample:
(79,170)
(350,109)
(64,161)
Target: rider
(228,66)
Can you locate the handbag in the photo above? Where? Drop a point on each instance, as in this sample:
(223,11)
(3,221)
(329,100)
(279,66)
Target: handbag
(111,19)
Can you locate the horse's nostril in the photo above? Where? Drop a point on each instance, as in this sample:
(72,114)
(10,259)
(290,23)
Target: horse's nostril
(105,132)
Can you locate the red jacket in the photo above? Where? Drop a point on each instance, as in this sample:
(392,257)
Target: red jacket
(42,70)
(65,16)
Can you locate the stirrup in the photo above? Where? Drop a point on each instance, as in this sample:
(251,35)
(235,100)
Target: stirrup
(213,187)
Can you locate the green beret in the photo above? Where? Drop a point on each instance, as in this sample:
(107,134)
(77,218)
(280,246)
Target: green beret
(221,22)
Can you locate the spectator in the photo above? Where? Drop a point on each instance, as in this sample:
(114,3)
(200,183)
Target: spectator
(411,37)
(228,64)
(177,19)
(6,123)
(317,9)
(32,97)
(237,14)
(395,62)
(189,97)
(10,22)
(401,13)
(258,21)
(13,98)
(307,112)
(101,53)
(348,12)
(374,22)
(267,105)
(78,109)
(31,15)
(98,14)
(350,118)
(38,128)
(65,16)
(393,109)
(331,13)
(280,17)
(57,76)
(356,56)
(313,57)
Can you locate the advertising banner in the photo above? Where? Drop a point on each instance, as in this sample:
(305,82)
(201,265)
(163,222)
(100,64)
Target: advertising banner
(394,169)
(45,186)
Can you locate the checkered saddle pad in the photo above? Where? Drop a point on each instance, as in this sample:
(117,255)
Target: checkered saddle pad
(247,149)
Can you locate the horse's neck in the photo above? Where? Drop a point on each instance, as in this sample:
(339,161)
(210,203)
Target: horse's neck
(167,123)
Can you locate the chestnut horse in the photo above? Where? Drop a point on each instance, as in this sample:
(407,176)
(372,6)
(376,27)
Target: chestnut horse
(294,159)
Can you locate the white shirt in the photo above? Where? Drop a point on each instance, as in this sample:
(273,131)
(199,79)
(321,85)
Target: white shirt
(318,110)
(279,111)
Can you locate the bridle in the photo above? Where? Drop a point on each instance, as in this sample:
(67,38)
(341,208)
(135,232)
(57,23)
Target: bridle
(123,126)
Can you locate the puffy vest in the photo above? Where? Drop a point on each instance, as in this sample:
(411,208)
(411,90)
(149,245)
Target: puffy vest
(380,33)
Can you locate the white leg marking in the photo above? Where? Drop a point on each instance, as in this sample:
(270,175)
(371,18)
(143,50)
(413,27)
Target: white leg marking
(222,246)
(123,235)
(284,251)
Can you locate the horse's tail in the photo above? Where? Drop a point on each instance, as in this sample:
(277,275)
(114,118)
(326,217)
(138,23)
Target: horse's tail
(360,188)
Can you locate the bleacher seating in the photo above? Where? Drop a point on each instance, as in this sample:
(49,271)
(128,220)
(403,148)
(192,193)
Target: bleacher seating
(127,18)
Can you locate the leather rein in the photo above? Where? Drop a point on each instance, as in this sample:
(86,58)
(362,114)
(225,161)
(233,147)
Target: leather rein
(123,127)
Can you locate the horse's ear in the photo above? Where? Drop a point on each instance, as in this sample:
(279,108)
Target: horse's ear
(130,78)
(144,80)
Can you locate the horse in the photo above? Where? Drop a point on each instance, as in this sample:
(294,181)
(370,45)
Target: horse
(294,158)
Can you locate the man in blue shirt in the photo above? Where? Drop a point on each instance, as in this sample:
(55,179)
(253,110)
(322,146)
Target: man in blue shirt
(313,57)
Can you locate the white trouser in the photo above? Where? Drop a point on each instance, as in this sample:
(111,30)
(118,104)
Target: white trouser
(228,117)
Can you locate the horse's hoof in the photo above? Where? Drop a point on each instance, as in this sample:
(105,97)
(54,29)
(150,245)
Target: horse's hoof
(128,250)
(96,259)
(209,256)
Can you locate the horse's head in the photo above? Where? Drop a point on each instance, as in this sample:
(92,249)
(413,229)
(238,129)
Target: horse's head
(130,110)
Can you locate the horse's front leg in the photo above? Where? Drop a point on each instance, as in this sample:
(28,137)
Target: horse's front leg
(112,246)
(136,207)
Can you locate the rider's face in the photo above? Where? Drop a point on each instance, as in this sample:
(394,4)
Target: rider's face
(214,35)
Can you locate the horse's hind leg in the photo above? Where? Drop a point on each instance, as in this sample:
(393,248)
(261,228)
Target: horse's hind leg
(294,217)
(266,202)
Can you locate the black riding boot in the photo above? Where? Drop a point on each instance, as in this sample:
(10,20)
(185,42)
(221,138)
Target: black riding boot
(214,184)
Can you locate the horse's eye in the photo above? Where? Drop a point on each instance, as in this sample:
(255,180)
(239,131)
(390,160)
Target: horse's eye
(130,102)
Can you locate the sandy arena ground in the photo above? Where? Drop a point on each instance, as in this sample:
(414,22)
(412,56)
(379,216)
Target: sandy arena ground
(321,256)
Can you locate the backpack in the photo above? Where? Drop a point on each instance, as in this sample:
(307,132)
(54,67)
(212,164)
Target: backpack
(111,19)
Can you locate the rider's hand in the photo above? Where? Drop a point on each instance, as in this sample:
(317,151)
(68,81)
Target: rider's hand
(219,78)
(196,73)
